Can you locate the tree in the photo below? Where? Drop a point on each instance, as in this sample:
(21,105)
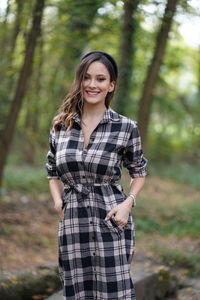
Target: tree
(146,99)
(22,84)
(80,18)
(126,55)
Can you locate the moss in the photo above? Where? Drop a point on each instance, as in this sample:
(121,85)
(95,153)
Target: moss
(25,286)
(165,282)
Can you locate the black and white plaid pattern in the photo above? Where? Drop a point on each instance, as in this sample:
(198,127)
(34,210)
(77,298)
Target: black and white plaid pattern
(95,255)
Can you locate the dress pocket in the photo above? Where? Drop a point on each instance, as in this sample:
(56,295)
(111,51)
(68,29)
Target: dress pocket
(116,225)
(65,203)
(63,210)
(112,226)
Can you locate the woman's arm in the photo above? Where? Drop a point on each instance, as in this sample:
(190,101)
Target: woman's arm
(136,185)
(122,210)
(133,159)
(56,188)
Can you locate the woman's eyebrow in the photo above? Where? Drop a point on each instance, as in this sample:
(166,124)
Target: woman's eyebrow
(96,75)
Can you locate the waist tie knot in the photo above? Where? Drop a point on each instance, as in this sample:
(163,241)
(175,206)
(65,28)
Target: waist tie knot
(78,187)
(85,188)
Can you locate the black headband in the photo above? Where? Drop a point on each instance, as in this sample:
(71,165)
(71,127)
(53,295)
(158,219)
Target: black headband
(108,56)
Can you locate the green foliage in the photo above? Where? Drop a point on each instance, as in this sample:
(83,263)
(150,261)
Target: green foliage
(180,171)
(189,260)
(181,220)
(73,27)
(184,221)
(25,178)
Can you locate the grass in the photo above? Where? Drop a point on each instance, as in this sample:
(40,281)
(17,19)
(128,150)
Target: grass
(167,222)
(176,257)
(180,171)
(167,215)
(180,221)
(25,178)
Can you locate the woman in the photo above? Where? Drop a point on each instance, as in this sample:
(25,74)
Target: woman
(89,143)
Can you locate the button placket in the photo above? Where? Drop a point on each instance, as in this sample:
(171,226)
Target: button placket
(84,151)
(84,154)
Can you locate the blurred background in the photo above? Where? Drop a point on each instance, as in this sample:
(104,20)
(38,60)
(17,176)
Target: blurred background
(157,46)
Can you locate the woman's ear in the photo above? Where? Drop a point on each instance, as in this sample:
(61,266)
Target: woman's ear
(112,86)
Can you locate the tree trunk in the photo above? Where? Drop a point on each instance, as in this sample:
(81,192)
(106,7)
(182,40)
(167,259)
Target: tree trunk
(4,42)
(126,56)
(198,75)
(32,108)
(8,56)
(8,81)
(17,24)
(24,76)
(146,100)
(81,18)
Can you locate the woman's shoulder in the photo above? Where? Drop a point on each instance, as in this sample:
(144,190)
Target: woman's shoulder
(125,120)
(57,131)
(59,127)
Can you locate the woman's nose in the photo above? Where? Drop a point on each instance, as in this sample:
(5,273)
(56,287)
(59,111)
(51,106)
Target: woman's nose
(92,83)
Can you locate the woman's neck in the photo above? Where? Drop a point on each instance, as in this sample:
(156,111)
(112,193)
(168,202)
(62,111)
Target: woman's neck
(93,111)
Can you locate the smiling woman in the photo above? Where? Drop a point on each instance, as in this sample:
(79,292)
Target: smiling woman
(96,84)
(88,144)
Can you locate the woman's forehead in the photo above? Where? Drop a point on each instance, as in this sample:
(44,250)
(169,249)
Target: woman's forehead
(97,67)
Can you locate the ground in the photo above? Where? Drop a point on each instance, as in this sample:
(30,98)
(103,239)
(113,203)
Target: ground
(28,234)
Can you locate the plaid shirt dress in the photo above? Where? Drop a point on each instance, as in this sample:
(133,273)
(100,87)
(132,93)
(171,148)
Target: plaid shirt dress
(95,255)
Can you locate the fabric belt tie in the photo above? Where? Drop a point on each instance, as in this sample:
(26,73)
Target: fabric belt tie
(84,188)
(78,187)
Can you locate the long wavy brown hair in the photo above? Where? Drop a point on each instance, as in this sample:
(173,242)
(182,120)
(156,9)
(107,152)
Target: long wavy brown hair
(73,102)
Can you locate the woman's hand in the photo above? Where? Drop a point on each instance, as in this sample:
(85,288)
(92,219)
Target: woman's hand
(56,188)
(58,208)
(121,212)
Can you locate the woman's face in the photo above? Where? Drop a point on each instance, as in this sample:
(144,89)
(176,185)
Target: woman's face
(96,83)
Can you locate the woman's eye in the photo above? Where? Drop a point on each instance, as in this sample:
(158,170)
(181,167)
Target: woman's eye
(98,79)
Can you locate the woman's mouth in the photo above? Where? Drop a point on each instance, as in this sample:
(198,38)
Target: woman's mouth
(92,93)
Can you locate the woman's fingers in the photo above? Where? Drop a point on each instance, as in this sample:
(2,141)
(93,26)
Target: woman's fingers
(119,221)
(59,210)
(110,214)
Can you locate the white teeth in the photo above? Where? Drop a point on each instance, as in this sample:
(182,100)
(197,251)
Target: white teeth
(92,93)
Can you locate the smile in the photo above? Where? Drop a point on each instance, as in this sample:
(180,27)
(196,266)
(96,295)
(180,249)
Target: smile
(90,93)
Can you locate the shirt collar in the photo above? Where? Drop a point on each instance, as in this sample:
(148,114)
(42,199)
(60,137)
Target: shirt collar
(109,115)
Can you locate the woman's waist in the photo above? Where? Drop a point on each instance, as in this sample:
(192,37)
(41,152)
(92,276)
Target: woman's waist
(86,186)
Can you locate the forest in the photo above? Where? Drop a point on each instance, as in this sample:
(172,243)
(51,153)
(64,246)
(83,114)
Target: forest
(41,42)
(159,73)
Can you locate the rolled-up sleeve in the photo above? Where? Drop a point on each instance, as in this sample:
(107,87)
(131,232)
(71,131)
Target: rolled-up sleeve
(133,157)
(51,157)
